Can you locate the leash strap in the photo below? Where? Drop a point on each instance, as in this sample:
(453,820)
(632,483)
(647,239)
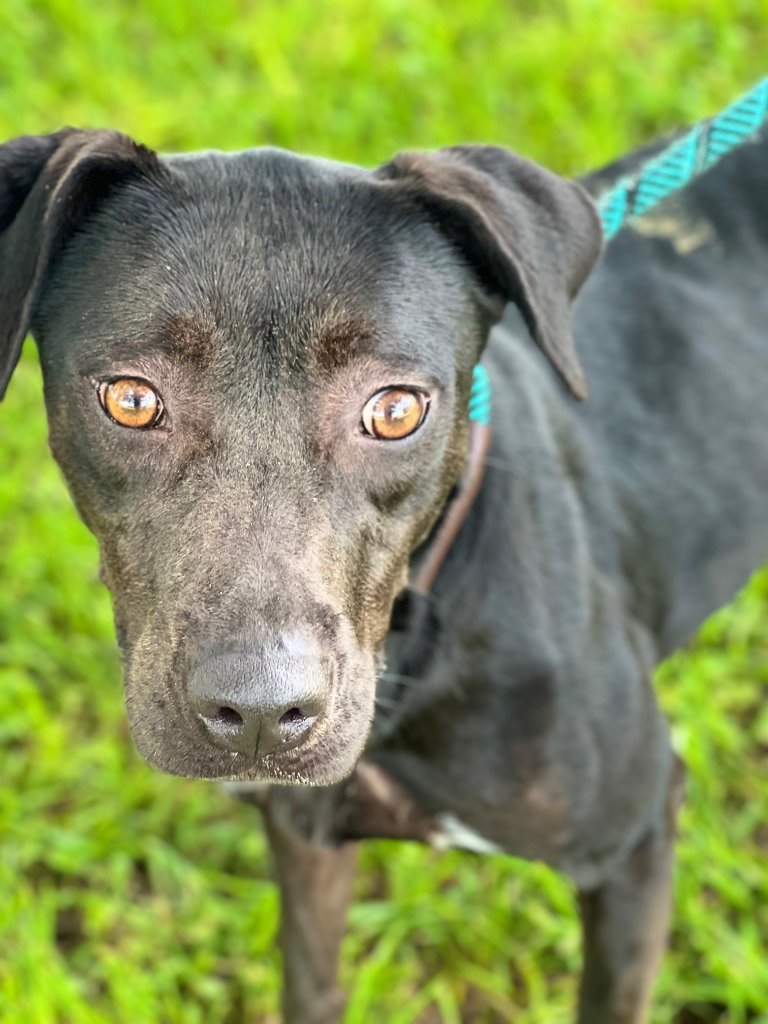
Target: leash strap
(697,151)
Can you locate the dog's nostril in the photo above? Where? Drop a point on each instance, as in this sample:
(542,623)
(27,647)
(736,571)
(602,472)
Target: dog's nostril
(292,717)
(228,716)
(259,701)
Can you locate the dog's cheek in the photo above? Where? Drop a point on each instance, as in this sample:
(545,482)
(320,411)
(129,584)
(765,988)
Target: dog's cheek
(163,734)
(395,524)
(375,571)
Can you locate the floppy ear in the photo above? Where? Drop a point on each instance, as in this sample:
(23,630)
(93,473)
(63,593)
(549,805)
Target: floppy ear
(48,184)
(531,236)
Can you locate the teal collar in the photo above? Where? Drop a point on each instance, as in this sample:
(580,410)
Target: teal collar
(480,397)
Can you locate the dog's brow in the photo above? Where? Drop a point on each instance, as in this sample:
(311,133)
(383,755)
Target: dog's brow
(338,342)
(187,336)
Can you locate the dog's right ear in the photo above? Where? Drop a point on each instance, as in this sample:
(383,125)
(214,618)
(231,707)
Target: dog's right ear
(48,185)
(531,236)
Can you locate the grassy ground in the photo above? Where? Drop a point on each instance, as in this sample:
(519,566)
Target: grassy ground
(128,897)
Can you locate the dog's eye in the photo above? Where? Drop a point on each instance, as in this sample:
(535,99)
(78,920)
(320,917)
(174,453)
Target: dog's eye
(394,413)
(131,402)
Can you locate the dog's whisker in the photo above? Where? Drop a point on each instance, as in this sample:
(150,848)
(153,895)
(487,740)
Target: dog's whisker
(396,677)
(417,594)
(387,704)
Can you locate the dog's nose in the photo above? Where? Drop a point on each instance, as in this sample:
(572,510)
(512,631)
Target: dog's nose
(255,700)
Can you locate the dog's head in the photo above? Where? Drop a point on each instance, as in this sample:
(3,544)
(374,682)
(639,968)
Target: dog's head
(256,370)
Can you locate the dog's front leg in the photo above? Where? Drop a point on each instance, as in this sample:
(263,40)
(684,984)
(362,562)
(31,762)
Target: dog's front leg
(625,923)
(315,876)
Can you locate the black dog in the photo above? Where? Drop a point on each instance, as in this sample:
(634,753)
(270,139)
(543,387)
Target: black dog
(257,369)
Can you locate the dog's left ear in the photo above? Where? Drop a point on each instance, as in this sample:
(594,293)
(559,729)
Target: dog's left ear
(531,236)
(48,185)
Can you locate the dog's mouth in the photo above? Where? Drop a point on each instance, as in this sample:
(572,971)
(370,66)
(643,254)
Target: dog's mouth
(320,761)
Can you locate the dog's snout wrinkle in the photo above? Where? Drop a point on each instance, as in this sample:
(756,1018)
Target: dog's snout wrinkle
(257,700)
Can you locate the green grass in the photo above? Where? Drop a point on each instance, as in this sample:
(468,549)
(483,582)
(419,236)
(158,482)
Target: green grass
(128,897)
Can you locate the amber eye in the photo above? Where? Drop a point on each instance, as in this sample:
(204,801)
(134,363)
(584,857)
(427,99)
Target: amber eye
(394,413)
(131,402)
